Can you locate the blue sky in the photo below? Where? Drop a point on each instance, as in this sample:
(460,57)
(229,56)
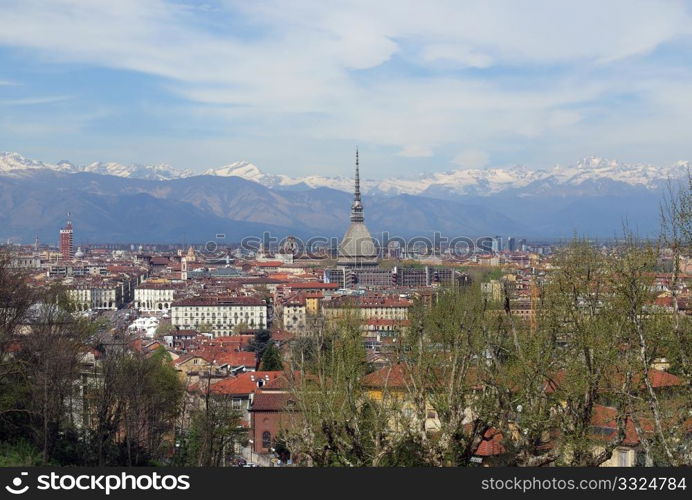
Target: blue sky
(294,86)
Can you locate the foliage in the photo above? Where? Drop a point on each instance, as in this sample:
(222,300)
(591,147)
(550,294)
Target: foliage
(211,437)
(19,454)
(468,371)
(271,359)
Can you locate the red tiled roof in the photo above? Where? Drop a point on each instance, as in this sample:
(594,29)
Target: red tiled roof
(295,299)
(282,335)
(658,378)
(237,358)
(397,376)
(279,276)
(230,341)
(221,357)
(282,383)
(269,263)
(664,301)
(389,376)
(491,445)
(244,383)
(270,401)
(605,419)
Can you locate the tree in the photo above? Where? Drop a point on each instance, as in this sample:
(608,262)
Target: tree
(16,301)
(50,356)
(333,424)
(259,343)
(580,315)
(212,435)
(271,359)
(676,236)
(164,328)
(133,422)
(442,352)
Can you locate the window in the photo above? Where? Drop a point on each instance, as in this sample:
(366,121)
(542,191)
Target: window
(236,403)
(266,439)
(623,458)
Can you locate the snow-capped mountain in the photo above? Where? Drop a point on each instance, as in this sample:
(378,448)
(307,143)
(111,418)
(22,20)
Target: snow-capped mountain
(589,173)
(482,182)
(151,172)
(251,172)
(245,170)
(16,165)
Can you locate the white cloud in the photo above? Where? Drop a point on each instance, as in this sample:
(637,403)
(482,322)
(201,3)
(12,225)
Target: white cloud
(340,64)
(415,151)
(33,101)
(471,158)
(458,54)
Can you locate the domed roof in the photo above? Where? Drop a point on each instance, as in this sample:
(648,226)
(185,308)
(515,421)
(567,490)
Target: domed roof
(357,246)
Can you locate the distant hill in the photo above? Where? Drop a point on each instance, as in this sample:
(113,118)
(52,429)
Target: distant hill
(113,202)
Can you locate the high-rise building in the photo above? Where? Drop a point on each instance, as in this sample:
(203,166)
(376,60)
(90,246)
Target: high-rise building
(511,243)
(357,248)
(497,244)
(66,234)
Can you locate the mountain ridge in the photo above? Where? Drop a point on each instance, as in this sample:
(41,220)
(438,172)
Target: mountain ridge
(463,181)
(141,204)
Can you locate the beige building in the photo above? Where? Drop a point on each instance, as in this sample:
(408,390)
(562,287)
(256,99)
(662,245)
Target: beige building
(222,314)
(154,296)
(96,296)
(368,307)
(293,314)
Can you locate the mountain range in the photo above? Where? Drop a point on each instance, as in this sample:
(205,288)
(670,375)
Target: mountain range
(111,202)
(481,182)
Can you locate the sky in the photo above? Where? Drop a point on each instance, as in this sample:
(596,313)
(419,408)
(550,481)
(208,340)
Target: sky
(295,86)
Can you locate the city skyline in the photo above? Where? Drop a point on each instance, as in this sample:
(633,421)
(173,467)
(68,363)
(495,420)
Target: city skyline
(198,85)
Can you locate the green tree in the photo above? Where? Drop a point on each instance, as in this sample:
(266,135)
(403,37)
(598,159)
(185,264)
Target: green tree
(212,435)
(334,424)
(134,423)
(271,359)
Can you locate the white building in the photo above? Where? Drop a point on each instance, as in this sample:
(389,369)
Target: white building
(222,314)
(154,296)
(96,296)
(146,325)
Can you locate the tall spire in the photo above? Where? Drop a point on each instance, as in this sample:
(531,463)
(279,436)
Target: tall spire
(357,192)
(357,206)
